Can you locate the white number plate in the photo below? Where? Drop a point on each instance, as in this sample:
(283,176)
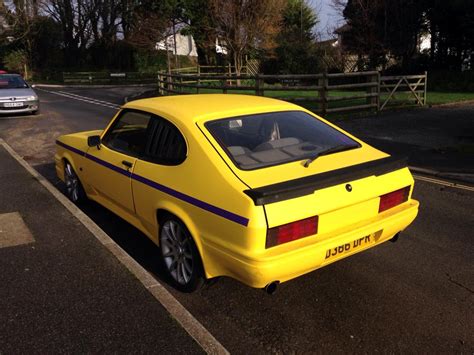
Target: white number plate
(13,104)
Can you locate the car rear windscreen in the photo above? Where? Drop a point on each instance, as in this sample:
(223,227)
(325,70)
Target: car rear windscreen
(261,140)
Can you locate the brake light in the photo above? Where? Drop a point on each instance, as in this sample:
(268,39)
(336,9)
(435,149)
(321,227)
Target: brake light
(292,231)
(393,199)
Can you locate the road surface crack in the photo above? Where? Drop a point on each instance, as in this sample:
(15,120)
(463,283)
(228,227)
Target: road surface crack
(450,279)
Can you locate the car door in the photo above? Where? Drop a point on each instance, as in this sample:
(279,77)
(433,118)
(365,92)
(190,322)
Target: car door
(114,160)
(159,172)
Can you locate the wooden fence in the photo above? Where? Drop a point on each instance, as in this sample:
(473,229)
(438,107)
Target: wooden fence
(324,93)
(250,68)
(412,86)
(108,78)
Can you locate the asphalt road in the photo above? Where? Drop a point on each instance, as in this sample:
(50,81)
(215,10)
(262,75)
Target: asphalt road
(416,295)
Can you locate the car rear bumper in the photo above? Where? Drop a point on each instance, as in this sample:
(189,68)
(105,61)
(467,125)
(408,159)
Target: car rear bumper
(259,272)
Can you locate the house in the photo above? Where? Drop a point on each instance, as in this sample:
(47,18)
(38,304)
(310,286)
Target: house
(184,45)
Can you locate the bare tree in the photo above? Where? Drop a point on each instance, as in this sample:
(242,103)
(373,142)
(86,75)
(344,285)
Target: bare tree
(20,16)
(247,24)
(74,16)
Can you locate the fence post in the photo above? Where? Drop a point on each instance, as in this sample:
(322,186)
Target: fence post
(323,83)
(426,88)
(199,78)
(224,86)
(160,89)
(374,100)
(259,85)
(378,91)
(170,82)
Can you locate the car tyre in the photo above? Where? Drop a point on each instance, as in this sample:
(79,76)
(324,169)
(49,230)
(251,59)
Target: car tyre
(180,256)
(35,113)
(74,190)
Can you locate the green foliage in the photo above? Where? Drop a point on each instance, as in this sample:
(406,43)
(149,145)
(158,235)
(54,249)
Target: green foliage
(296,51)
(15,61)
(201,25)
(148,61)
(299,20)
(444,80)
(46,39)
(377,28)
(452,30)
(117,55)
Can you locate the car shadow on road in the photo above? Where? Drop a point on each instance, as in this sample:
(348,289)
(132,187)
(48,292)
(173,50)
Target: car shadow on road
(129,238)
(339,308)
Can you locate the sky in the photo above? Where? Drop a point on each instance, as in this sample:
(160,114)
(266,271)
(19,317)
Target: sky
(329,19)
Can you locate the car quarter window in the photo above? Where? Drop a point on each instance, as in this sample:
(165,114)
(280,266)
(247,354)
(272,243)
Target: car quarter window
(128,133)
(166,145)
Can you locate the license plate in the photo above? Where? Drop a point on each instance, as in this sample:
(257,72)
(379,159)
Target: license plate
(13,104)
(347,248)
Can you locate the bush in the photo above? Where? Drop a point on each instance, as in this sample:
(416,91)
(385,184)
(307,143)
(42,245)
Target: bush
(15,61)
(112,56)
(451,81)
(150,61)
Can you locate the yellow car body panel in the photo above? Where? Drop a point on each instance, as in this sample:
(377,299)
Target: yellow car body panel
(206,192)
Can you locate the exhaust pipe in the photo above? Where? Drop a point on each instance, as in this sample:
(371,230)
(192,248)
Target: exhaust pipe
(395,237)
(271,287)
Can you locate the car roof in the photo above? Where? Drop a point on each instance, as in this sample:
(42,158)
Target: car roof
(203,107)
(8,74)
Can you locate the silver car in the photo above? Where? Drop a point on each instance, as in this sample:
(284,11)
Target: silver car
(16,96)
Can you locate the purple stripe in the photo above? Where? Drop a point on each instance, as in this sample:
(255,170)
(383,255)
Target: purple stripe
(72,149)
(193,201)
(179,195)
(108,165)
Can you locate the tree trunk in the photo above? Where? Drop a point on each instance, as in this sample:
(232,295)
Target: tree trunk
(238,64)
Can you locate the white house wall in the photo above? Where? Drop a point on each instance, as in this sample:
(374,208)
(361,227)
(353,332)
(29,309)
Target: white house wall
(184,45)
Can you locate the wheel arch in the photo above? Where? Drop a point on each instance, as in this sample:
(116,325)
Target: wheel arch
(173,211)
(68,158)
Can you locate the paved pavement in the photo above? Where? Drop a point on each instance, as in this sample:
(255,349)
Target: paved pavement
(440,139)
(61,290)
(413,296)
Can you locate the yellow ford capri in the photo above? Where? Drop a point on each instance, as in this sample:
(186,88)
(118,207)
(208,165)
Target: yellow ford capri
(252,188)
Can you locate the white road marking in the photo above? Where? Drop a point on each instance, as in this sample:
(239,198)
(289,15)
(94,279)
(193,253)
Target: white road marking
(194,328)
(443,183)
(83,98)
(88,98)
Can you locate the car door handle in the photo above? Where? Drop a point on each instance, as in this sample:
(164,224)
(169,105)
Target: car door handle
(127,163)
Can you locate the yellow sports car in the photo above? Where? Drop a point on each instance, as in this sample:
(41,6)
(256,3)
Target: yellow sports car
(253,188)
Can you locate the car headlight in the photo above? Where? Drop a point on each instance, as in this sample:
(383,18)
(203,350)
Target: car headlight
(31,98)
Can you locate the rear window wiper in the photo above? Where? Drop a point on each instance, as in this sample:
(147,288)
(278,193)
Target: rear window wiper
(335,149)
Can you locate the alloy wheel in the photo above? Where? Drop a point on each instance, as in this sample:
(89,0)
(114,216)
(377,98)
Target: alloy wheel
(72,183)
(176,251)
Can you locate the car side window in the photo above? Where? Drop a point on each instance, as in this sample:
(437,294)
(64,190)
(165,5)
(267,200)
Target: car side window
(166,145)
(128,133)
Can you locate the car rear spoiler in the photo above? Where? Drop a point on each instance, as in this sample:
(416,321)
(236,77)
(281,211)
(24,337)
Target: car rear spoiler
(305,186)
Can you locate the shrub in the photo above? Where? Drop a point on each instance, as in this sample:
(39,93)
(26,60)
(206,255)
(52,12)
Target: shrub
(16,61)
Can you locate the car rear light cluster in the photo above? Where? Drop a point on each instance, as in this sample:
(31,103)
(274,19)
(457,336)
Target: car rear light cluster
(292,231)
(393,199)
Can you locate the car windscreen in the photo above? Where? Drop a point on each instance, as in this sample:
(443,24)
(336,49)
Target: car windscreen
(12,82)
(261,140)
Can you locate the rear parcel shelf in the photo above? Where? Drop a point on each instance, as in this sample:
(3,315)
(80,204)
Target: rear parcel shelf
(305,186)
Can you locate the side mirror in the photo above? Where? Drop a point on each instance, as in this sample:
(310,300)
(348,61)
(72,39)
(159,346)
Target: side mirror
(93,141)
